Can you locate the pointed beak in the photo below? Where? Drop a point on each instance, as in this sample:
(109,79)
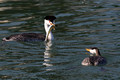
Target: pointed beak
(51,27)
(87,49)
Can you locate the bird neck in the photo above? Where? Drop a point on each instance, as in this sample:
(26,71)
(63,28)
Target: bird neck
(98,53)
(50,36)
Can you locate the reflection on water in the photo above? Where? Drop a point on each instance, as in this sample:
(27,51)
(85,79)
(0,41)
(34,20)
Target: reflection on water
(81,24)
(5,8)
(47,56)
(4,21)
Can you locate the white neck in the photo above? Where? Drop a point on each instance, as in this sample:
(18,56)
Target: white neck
(50,36)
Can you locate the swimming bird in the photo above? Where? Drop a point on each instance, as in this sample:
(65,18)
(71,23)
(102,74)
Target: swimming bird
(49,24)
(94,60)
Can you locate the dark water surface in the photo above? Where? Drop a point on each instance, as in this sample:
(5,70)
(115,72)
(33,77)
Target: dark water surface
(80,24)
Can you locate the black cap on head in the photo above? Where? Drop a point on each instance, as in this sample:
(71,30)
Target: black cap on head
(51,18)
(94,48)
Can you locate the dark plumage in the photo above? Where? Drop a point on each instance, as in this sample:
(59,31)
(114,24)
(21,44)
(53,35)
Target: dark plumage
(48,24)
(94,60)
(26,37)
(51,18)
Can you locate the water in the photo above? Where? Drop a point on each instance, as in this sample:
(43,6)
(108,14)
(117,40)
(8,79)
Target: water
(80,24)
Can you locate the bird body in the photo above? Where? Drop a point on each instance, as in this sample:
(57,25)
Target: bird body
(49,24)
(95,60)
(25,37)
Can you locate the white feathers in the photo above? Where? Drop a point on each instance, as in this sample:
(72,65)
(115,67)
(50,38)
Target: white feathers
(47,25)
(93,51)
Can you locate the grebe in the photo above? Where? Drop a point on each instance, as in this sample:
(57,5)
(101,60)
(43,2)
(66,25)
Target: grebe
(49,24)
(94,60)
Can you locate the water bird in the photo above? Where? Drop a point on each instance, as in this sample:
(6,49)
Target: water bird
(96,59)
(49,24)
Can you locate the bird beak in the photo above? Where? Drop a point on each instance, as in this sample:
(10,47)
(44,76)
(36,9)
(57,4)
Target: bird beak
(51,27)
(87,49)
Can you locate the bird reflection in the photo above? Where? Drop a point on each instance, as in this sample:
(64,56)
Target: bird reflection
(47,56)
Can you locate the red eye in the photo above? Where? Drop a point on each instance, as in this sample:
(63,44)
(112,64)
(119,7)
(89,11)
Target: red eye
(50,22)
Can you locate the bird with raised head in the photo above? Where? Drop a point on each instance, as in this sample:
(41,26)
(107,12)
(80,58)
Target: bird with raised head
(49,24)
